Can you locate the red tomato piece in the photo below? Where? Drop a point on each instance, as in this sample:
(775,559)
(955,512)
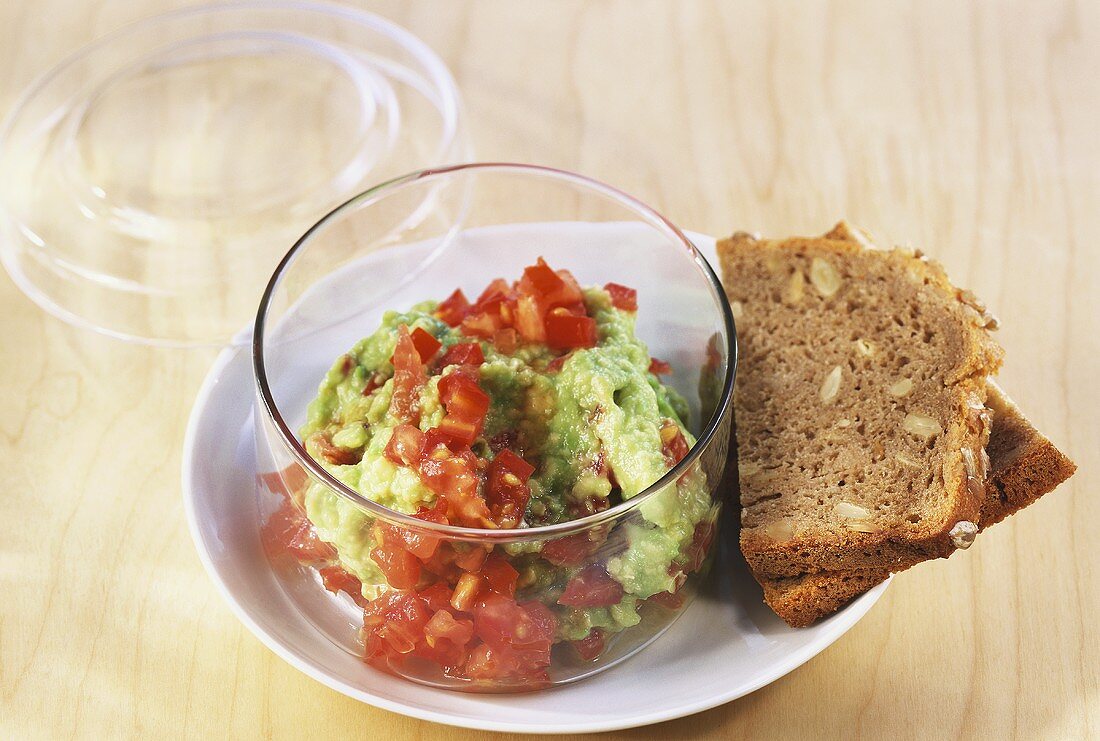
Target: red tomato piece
(401,568)
(700,546)
(333,454)
(529,320)
(542,279)
(458,430)
(287,531)
(409,376)
(502,623)
(397,618)
(337,579)
(668,600)
(462,397)
(569,293)
(444,627)
(673,443)
(555,365)
(493,296)
(464,353)
(592,587)
(506,489)
(591,646)
(622,297)
(419,543)
(454,308)
(500,576)
(512,463)
(573,550)
(405,446)
(436,597)
(470,559)
(506,340)
(454,479)
(566,331)
(426,344)
(375,381)
(659,367)
(482,324)
(286,481)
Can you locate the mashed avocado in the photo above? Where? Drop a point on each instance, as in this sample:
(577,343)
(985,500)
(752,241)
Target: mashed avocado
(589,421)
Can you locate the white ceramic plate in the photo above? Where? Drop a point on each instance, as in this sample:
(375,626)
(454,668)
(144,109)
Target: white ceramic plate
(727,644)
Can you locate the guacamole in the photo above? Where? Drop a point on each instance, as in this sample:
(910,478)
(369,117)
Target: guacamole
(532,406)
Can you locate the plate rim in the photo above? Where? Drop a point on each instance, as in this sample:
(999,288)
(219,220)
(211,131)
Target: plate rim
(831,632)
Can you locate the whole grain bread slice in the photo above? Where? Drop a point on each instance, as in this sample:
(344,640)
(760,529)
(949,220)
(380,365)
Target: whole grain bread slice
(1024,465)
(860,404)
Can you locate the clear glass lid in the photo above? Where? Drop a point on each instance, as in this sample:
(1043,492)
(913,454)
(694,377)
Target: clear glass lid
(153,179)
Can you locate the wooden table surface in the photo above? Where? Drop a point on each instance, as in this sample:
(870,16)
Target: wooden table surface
(970,130)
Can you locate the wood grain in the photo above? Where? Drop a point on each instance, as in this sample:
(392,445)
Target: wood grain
(970,130)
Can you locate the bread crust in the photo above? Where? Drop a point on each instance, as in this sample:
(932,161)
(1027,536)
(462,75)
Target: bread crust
(1024,465)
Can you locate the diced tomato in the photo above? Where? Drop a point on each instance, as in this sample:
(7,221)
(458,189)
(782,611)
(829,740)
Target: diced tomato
(464,353)
(573,550)
(592,587)
(529,320)
(332,453)
(700,546)
(668,600)
(489,663)
(405,445)
(337,579)
(569,293)
(453,477)
(453,309)
(591,646)
(375,381)
(500,576)
(444,627)
(506,340)
(566,331)
(458,430)
(673,443)
(464,401)
(419,543)
(506,490)
(433,439)
(509,462)
(401,568)
(398,619)
(287,531)
(286,481)
(516,640)
(471,558)
(426,344)
(555,365)
(493,296)
(659,367)
(542,278)
(623,298)
(502,623)
(409,376)
(436,597)
(482,325)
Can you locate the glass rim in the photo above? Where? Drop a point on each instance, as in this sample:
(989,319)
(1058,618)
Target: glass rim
(452,138)
(316,470)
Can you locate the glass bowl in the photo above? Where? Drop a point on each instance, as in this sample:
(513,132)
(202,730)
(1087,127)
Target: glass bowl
(489,609)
